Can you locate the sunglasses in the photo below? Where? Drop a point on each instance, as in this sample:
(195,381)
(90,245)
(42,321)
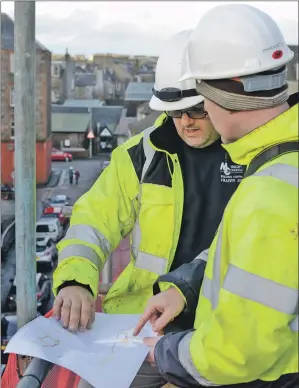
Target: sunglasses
(194,113)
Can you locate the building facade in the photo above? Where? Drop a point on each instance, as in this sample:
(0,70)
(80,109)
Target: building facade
(43,106)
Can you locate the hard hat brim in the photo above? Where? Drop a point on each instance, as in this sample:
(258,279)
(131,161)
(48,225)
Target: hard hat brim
(184,103)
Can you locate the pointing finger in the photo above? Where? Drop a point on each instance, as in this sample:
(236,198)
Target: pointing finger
(149,312)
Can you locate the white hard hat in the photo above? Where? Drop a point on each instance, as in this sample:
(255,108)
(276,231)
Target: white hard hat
(169,94)
(235,40)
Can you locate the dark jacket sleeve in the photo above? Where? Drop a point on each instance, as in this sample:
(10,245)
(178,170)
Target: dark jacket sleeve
(168,363)
(188,278)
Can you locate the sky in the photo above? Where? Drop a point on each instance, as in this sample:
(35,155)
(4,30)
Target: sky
(137,27)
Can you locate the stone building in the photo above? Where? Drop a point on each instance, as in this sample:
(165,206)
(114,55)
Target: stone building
(43,106)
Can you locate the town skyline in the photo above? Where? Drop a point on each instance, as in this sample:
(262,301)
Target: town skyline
(137,28)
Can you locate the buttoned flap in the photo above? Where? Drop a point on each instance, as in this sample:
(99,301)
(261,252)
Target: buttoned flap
(154,230)
(156,194)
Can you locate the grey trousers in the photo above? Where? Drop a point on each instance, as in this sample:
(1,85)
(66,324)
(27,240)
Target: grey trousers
(147,377)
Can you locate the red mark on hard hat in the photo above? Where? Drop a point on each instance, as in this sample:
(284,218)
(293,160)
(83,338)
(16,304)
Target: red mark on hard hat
(277,54)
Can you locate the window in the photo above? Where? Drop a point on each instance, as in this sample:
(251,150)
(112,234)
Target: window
(12,96)
(11,59)
(55,70)
(12,124)
(42,229)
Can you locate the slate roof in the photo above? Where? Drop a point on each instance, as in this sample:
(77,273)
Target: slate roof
(87,103)
(7,34)
(107,116)
(68,109)
(85,79)
(139,91)
(71,123)
(139,126)
(144,108)
(123,126)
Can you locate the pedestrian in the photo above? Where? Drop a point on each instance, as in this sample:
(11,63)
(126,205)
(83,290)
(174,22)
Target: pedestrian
(77,176)
(166,187)
(71,175)
(246,325)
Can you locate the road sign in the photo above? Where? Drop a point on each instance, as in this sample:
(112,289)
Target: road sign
(90,135)
(105,133)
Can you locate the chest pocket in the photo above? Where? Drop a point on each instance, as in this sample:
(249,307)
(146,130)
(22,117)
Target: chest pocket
(152,234)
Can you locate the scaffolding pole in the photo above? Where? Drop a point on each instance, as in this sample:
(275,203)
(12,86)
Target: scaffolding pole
(25,160)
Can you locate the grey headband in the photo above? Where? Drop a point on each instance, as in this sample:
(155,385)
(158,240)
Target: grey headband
(240,102)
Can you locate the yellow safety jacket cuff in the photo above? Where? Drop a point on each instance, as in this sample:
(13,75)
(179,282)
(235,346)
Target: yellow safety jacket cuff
(80,270)
(164,286)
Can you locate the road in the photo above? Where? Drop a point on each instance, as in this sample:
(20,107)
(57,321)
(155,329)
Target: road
(89,171)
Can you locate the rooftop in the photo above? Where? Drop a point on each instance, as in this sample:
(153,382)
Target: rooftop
(140,125)
(139,91)
(71,123)
(68,109)
(123,126)
(107,116)
(7,34)
(85,79)
(92,103)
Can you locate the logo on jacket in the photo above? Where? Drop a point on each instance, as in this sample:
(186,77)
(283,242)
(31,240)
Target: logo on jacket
(231,173)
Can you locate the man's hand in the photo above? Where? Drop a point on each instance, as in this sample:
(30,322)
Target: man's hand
(161,309)
(151,342)
(75,307)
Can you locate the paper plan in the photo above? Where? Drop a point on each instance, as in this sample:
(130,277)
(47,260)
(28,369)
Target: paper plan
(106,356)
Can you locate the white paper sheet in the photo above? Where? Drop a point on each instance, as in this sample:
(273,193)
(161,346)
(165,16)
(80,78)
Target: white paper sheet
(106,356)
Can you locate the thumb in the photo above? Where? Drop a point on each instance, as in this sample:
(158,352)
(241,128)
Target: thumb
(163,320)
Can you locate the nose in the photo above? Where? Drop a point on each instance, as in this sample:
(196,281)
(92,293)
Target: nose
(185,120)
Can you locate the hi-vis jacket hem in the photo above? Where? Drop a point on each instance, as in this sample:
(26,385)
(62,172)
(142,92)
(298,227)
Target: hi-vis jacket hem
(246,324)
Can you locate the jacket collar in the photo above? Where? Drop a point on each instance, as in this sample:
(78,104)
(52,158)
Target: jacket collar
(281,129)
(165,136)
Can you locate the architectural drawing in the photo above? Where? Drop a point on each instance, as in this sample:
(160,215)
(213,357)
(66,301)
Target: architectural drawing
(47,341)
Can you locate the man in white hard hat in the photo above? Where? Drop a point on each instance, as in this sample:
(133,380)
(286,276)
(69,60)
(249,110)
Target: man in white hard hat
(167,187)
(246,326)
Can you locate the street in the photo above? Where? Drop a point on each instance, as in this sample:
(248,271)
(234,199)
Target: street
(89,171)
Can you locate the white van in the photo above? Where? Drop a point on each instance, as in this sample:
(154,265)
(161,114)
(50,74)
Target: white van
(49,227)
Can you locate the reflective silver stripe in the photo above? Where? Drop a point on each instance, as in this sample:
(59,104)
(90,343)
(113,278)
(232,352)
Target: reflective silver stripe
(144,260)
(186,361)
(203,255)
(207,289)
(90,235)
(283,172)
(151,263)
(261,290)
(216,283)
(77,250)
(149,152)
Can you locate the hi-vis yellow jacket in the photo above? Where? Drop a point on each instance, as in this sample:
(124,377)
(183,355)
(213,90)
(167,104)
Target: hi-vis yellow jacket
(246,325)
(95,232)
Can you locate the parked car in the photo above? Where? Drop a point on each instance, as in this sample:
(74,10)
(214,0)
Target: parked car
(8,329)
(46,254)
(7,237)
(7,192)
(43,294)
(58,200)
(58,155)
(49,227)
(55,212)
